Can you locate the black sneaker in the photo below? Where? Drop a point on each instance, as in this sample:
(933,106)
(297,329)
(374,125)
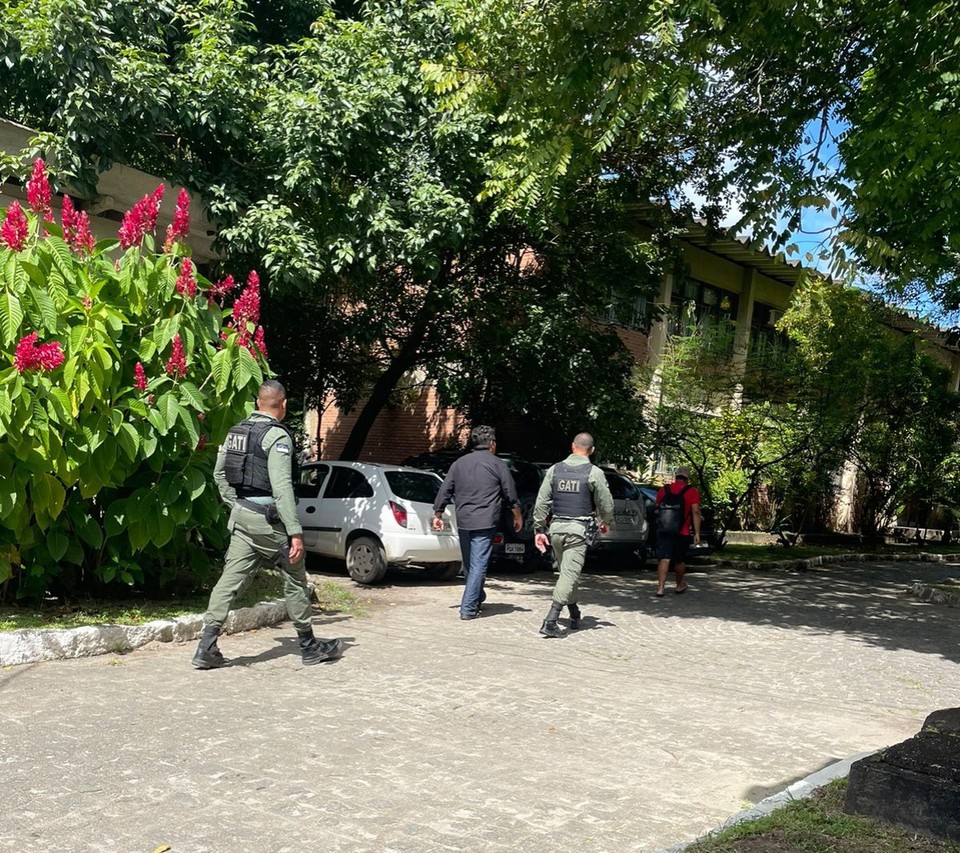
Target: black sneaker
(320,650)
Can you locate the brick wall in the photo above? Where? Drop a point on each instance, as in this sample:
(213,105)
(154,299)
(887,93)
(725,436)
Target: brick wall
(397,433)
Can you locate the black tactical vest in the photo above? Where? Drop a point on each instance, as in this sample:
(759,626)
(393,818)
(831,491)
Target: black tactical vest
(572,497)
(246,464)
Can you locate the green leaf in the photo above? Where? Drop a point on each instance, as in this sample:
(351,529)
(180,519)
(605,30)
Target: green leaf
(196,482)
(220,367)
(129,440)
(11,316)
(168,406)
(48,311)
(189,393)
(245,367)
(57,543)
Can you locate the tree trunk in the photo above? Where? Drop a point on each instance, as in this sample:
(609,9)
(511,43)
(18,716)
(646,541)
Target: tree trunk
(404,360)
(375,402)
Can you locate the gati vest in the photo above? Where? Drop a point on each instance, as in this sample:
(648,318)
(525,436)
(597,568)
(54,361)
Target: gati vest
(572,497)
(246,463)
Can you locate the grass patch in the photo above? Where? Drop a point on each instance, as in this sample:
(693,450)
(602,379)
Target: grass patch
(774,553)
(818,825)
(331,597)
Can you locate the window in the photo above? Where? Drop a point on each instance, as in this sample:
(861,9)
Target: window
(767,342)
(347,483)
(621,489)
(311,479)
(526,476)
(698,308)
(627,310)
(414,487)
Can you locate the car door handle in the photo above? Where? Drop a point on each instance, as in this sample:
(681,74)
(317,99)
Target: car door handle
(310,510)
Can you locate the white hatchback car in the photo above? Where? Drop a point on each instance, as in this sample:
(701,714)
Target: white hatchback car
(374,515)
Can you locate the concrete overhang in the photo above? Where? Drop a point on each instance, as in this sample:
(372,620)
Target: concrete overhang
(118,189)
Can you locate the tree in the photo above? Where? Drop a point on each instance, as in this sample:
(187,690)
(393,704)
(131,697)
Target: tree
(832,403)
(847,109)
(371,205)
(355,186)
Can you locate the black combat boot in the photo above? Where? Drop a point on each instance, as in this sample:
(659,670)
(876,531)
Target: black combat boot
(549,627)
(574,616)
(208,656)
(316,651)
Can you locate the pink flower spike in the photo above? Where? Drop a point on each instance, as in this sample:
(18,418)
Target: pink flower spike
(139,378)
(180,227)
(15,228)
(221,288)
(38,191)
(186,283)
(259,341)
(31,356)
(68,218)
(141,219)
(177,363)
(83,242)
(247,307)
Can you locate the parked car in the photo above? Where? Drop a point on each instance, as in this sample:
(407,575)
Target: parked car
(373,516)
(628,536)
(509,546)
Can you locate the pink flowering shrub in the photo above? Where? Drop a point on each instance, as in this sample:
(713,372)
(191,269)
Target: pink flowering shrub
(116,386)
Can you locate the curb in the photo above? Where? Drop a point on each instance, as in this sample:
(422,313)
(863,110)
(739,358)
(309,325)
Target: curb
(827,559)
(797,791)
(34,645)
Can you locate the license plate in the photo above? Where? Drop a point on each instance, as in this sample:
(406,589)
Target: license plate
(514,548)
(623,518)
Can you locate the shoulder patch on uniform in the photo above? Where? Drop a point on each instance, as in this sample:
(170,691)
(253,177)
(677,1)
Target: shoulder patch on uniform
(281,447)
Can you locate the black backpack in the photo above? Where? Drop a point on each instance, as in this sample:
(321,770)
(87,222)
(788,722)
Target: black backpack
(670,514)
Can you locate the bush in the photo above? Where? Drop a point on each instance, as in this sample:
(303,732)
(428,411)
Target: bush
(124,374)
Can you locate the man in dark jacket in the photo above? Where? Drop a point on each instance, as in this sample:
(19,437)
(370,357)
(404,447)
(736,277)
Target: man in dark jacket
(478,484)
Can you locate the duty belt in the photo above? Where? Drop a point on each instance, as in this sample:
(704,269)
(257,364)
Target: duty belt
(268,511)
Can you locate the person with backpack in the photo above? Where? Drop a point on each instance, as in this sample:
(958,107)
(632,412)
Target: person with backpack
(678,509)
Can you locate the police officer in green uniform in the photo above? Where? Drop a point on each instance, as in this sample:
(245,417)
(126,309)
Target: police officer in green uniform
(256,469)
(576,495)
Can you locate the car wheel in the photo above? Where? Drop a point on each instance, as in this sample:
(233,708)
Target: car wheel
(445,571)
(366,560)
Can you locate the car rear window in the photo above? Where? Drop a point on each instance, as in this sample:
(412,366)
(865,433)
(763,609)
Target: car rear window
(412,486)
(621,488)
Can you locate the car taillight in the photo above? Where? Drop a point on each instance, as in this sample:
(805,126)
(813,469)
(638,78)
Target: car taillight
(497,538)
(399,513)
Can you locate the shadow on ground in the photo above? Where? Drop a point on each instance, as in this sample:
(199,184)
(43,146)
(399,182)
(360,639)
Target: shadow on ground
(865,600)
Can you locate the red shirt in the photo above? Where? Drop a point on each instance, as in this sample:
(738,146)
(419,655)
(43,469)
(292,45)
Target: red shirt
(691,497)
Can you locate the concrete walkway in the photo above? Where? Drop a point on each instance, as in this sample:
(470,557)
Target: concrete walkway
(648,728)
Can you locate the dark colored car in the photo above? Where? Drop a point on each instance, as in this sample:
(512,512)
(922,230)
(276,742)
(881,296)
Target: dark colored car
(509,547)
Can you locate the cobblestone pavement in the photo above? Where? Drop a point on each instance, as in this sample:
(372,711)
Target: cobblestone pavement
(647,728)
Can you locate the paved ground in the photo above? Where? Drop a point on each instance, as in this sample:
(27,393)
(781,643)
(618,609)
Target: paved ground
(648,728)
